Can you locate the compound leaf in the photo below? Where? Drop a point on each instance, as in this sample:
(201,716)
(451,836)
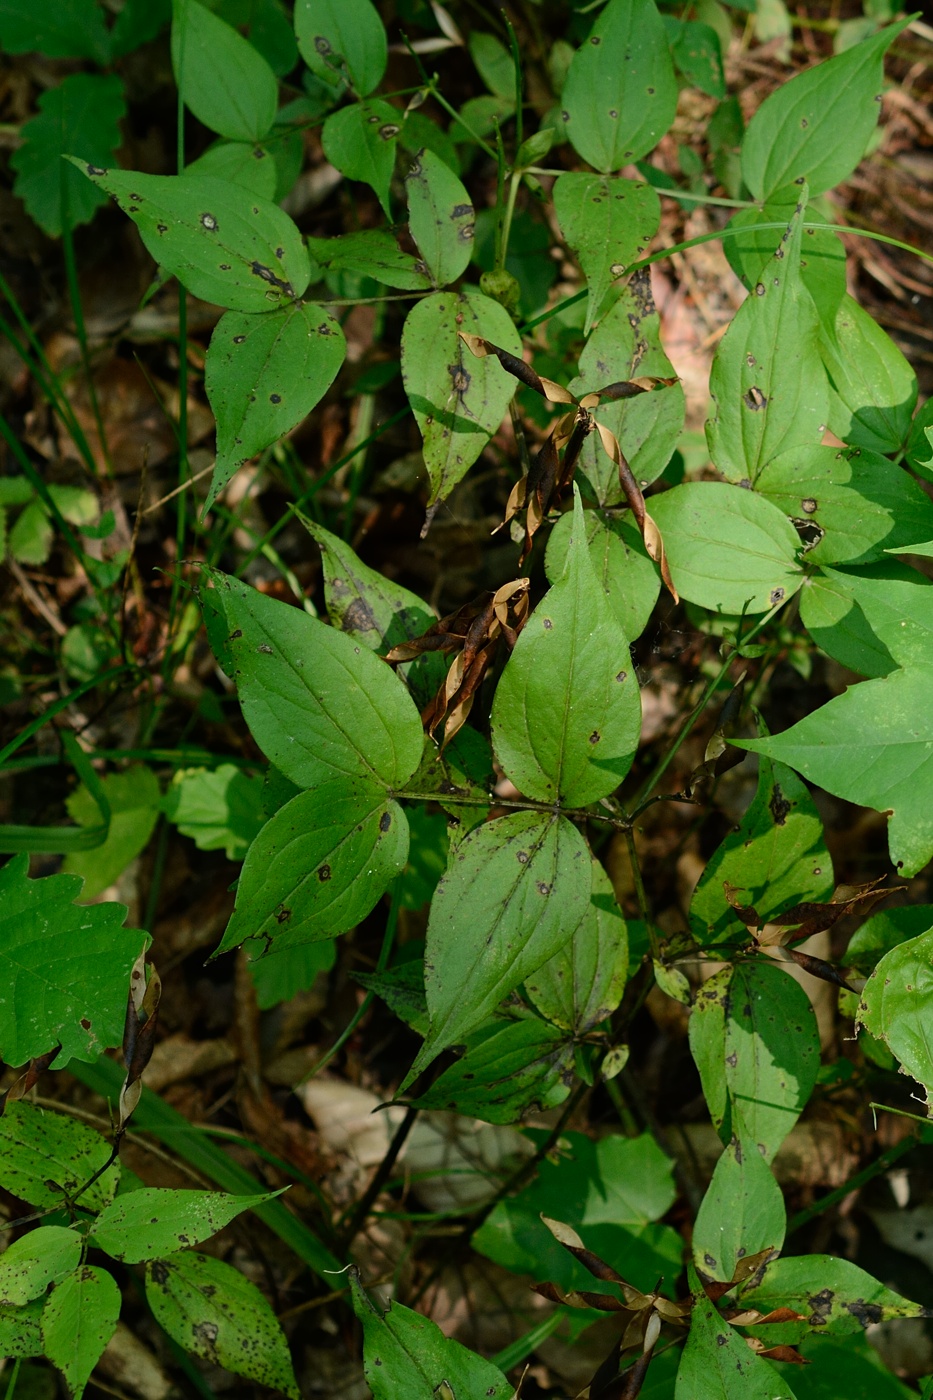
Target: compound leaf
(65,968)
(263,375)
(609,223)
(222,78)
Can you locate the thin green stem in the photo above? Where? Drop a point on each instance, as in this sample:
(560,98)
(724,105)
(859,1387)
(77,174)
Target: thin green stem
(350,1226)
(77,310)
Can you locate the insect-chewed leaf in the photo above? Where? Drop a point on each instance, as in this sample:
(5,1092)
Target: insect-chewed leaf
(360,141)
(621,93)
(514,892)
(567,712)
(223,79)
(817,126)
(263,375)
(458,400)
(318,865)
(608,222)
(874,387)
(342,41)
(318,703)
(767,381)
(741,1213)
(717,1361)
(224,244)
(440,217)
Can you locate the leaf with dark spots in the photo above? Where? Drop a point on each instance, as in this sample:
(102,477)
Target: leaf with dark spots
(441,217)
(834,1296)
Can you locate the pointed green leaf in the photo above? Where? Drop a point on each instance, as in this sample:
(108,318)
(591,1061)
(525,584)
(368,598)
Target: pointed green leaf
(584,981)
(45,1156)
(698,54)
(78,1321)
(728,549)
(742,1212)
(374,253)
(856,503)
(318,866)
(509,1069)
(30,540)
(360,140)
(612,1191)
(871,620)
(342,41)
(153,1221)
(630,579)
(82,113)
(31,1263)
(318,704)
(822,252)
(897,1007)
(609,223)
(214,1312)
(567,712)
(67,29)
(817,126)
(21,1330)
(776,857)
(374,609)
(621,93)
(244,162)
(440,217)
(753,1036)
(135,801)
(514,892)
(874,388)
(717,1364)
(626,344)
(835,1296)
(224,244)
(218,808)
(65,968)
(222,78)
(874,746)
(458,400)
(263,375)
(402,989)
(407,1354)
(767,381)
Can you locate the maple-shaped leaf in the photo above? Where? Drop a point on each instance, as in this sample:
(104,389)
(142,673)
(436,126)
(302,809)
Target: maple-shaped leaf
(64,968)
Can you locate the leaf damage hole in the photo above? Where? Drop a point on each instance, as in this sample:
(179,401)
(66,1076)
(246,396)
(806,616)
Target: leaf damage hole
(209,222)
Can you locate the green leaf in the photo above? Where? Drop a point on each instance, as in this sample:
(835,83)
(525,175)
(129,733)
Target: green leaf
(897,1004)
(35,1260)
(884,931)
(220,76)
(242,162)
(612,1191)
(508,1070)
(214,1312)
(30,540)
(286,972)
(767,381)
(754,1039)
(82,113)
(875,389)
(78,506)
(45,1156)
(920,443)
(371,253)
(407,1354)
(833,1294)
(372,608)
(697,53)
(566,717)
(65,29)
(440,216)
(514,892)
(871,621)
(620,94)
(493,63)
(78,1321)
(402,989)
(360,141)
(21,1330)
(342,40)
(135,801)
(874,746)
(264,374)
(584,981)
(841,1366)
(137,23)
(464,771)
(742,1212)
(728,549)
(630,579)
(717,1364)
(458,400)
(319,865)
(222,243)
(856,502)
(152,1222)
(822,253)
(318,704)
(65,968)
(609,223)
(817,126)
(776,857)
(219,808)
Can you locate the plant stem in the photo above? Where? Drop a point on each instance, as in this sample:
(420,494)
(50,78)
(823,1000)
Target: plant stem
(349,1228)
